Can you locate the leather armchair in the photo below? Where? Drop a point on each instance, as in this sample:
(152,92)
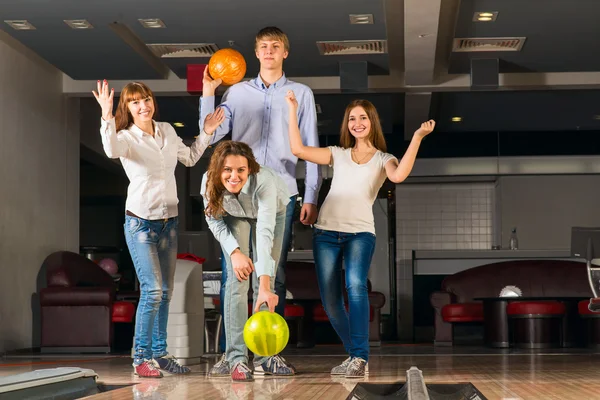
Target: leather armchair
(76,305)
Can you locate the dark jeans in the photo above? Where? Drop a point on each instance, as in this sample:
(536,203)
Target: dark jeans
(280,275)
(356,251)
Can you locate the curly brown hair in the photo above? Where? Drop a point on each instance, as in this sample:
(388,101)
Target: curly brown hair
(214,186)
(132,91)
(376,133)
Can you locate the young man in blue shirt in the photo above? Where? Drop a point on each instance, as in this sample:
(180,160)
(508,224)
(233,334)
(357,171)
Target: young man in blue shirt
(256,113)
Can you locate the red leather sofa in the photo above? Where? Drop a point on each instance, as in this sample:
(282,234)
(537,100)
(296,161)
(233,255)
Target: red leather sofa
(455,304)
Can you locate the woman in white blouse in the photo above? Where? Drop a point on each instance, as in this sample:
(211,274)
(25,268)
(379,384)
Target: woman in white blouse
(345,229)
(149,151)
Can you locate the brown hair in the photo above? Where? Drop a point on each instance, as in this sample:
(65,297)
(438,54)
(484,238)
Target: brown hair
(273,33)
(214,187)
(132,91)
(375,134)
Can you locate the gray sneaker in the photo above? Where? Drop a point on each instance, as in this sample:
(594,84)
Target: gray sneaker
(220,369)
(357,368)
(341,369)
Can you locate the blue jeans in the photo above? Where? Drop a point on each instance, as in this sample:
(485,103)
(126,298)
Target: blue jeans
(236,293)
(153,249)
(279,278)
(356,250)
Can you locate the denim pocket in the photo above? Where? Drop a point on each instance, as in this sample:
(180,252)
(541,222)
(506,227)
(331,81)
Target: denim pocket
(132,224)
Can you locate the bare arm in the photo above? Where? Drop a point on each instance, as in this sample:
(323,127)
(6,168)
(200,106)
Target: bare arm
(398,172)
(317,155)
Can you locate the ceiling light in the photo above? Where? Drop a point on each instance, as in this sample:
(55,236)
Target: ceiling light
(456,119)
(485,16)
(152,23)
(78,23)
(361,19)
(20,25)
(178,124)
(597,117)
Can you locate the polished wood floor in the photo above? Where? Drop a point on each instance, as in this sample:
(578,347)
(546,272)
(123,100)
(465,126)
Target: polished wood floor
(497,375)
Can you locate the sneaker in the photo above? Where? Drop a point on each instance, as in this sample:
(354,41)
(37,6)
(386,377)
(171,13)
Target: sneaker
(241,373)
(275,365)
(147,369)
(341,369)
(357,368)
(220,369)
(171,366)
(286,362)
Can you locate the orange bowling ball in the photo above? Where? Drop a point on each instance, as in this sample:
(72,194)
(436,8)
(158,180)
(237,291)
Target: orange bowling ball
(228,65)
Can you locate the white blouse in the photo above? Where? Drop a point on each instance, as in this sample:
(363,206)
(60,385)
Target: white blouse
(149,163)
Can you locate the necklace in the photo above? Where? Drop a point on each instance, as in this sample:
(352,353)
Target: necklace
(353,153)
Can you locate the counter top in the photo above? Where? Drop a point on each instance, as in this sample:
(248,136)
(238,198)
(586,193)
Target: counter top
(478,254)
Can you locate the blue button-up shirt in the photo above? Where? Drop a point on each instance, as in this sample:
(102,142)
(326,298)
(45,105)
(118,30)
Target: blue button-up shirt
(258,116)
(263,196)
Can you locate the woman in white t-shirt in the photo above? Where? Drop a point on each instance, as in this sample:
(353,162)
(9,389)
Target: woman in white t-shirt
(345,228)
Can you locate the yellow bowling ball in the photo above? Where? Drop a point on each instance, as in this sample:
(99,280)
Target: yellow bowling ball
(266,333)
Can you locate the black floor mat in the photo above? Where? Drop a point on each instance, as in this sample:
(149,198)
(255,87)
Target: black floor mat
(399,390)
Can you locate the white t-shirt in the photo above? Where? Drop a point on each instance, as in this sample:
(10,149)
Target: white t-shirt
(348,206)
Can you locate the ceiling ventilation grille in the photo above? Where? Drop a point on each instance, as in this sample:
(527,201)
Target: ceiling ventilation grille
(488,44)
(348,47)
(185,50)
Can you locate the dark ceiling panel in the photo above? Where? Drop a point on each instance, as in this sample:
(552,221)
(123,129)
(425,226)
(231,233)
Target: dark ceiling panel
(561,35)
(305,23)
(82,54)
(99,52)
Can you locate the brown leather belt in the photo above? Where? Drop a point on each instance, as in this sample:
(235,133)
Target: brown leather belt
(135,216)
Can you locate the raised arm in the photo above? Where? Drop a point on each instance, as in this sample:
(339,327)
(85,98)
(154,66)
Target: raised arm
(398,172)
(114,146)
(317,155)
(207,107)
(189,156)
(307,122)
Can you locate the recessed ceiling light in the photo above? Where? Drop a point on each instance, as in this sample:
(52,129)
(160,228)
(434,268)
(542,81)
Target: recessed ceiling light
(178,124)
(78,23)
(456,119)
(485,16)
(152,23)
(20,25)
(361,19)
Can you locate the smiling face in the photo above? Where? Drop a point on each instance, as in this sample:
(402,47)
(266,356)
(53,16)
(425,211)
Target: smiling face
(142,110)
(235,173)
(359,123)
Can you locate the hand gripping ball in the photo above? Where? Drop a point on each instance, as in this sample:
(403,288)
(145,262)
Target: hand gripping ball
(228,65)
(266,333)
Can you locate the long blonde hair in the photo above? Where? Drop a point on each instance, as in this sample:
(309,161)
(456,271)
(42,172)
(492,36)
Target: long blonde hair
(214,186)
(132,91)
(375,134)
